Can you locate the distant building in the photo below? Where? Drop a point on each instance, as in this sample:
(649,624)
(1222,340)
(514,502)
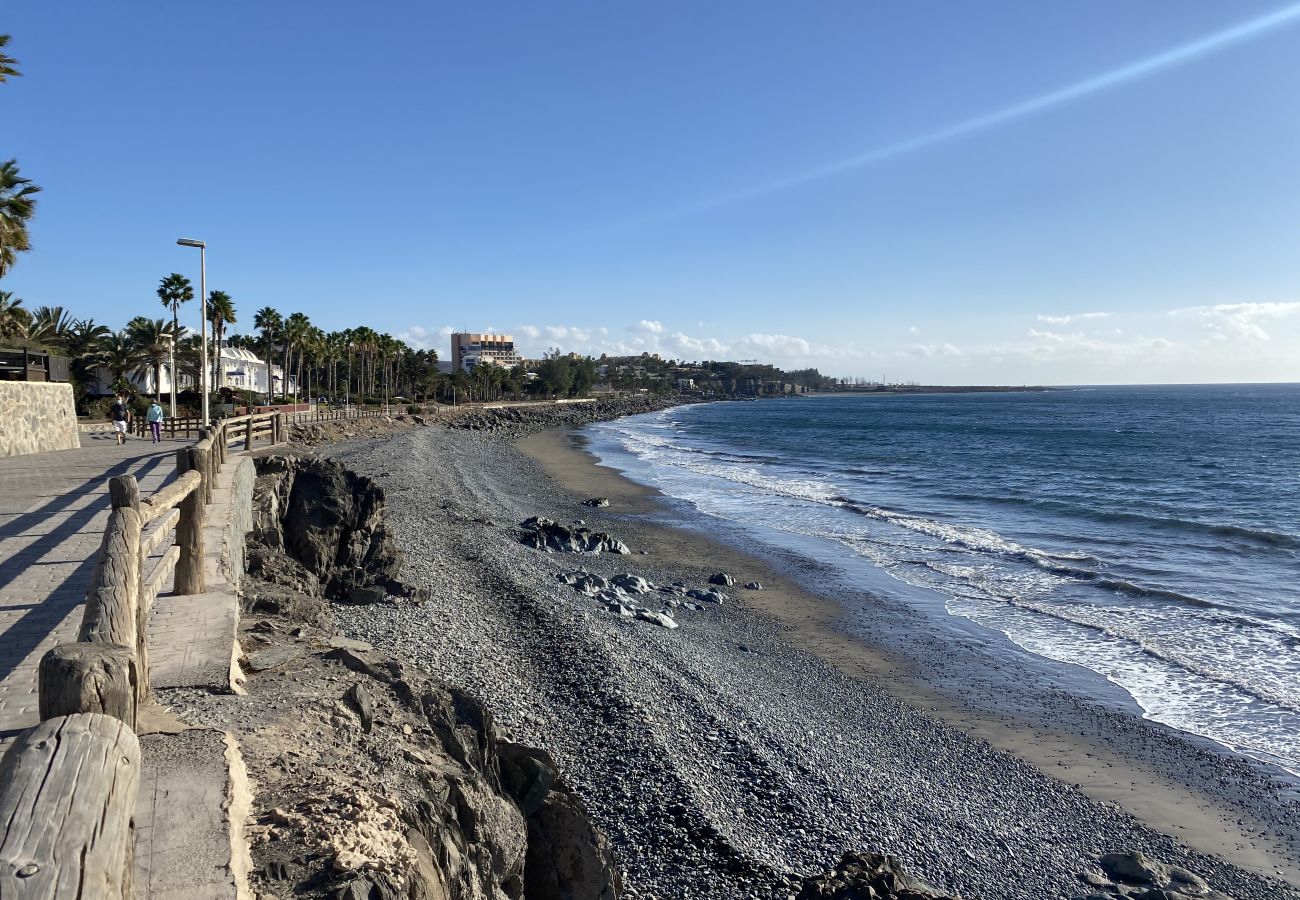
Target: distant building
(239,370)
(470,349)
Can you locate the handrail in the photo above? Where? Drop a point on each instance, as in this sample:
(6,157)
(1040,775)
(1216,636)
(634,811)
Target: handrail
(167,498)
(72,780)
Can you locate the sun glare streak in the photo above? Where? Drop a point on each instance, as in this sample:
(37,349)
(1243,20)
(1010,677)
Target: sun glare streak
(1135,71)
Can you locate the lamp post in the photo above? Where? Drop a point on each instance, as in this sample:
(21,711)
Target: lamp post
(171,370)
(203,321)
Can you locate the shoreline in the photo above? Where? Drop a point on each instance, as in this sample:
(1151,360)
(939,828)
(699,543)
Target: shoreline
(815,623)
(741,751)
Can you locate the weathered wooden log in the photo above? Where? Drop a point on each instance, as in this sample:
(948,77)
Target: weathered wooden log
(124,491)
(201,460)
(161,531)
(152,584)
(89,678)
(248,434)
(156,504)
(110,615)
(189,534)
(67,796)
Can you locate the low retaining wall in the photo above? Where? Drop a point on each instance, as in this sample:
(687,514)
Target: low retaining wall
(241,521)
(36,417)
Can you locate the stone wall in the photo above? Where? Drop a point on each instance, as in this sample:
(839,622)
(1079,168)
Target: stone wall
(234,541)
(36,417)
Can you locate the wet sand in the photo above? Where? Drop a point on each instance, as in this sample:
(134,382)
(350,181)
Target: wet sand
(1115,758)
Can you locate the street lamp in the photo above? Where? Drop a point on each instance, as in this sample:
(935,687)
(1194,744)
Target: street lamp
(203,320)
(171,369)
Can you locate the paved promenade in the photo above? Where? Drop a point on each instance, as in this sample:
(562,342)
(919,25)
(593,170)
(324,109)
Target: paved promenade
(53,507)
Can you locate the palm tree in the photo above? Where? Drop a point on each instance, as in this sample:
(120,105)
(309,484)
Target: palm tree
(119,355)
(50,326)
(296,328)
(14,320)
(153,341)
(221,312)
(174,290)
(8,65)
(268,321)
(84,344)
(17,206)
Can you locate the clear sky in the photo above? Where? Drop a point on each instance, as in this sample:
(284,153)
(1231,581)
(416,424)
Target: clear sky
(1080,191)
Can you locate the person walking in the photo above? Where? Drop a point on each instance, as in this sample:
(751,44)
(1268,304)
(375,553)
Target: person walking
(120,415)
(154,417)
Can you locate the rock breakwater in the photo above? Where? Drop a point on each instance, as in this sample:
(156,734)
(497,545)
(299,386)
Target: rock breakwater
(516,421)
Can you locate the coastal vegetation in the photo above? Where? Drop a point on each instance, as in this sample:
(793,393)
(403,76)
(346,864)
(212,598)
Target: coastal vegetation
(17,194)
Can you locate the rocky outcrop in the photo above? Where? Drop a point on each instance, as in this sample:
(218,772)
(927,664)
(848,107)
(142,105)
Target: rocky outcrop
(1132,874)
(545,534)
(868,876)
(513,421)
(319,529)
(458,814)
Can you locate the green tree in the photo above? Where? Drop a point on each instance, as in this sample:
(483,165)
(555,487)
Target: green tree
(14,320)
(17,206)
(221,312)
(555,373)
(295,333)
(84,345)
(119,355)
(8,65)
(174,290)
(584,376)
(269,322)
(153,341)
(50,326)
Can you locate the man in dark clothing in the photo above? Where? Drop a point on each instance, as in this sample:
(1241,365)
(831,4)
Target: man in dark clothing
(120,415)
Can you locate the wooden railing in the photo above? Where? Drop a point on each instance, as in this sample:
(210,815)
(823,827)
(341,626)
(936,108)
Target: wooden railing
(68,786)
(333,414)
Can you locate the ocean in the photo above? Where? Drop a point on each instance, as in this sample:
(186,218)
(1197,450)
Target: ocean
(1149,534)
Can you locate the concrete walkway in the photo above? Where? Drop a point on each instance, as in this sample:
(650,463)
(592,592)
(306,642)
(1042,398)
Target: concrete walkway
(53,508)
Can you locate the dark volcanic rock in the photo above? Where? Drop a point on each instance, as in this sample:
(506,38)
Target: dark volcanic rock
(546,534)
(868,876)
(319,529)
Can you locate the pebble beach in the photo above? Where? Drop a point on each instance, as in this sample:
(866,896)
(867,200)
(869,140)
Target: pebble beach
(751,744)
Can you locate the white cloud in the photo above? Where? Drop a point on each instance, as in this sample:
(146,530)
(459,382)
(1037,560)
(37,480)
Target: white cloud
(422,338)
(1239,321)
(1072,317)
(647,326)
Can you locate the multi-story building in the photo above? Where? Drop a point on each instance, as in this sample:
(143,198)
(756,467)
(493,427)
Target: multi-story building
(470,349)
(238,369)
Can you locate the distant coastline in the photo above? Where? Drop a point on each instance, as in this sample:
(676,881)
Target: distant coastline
(935,389)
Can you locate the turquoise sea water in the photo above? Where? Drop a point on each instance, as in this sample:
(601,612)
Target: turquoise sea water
(1151,534)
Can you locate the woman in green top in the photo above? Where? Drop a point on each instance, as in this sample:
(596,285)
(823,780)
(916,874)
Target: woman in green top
(154,417)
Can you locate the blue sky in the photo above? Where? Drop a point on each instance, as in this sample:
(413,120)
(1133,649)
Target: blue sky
(592,176)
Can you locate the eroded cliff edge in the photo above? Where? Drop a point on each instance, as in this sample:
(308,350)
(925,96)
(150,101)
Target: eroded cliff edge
(374,779)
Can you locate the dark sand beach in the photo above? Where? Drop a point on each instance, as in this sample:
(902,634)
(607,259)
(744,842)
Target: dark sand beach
(759,740)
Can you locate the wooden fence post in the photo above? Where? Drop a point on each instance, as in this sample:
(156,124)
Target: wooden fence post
(248,434)
(89,678)
(124,491)
(190,578)
(110,615)
(66,804)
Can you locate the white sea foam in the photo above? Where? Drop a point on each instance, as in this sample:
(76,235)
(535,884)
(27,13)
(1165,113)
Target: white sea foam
(1224,674)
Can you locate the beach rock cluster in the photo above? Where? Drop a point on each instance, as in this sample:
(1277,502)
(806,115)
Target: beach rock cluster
(617,595)
(514,421)
(1132,875)
(868,876)
(542,533)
